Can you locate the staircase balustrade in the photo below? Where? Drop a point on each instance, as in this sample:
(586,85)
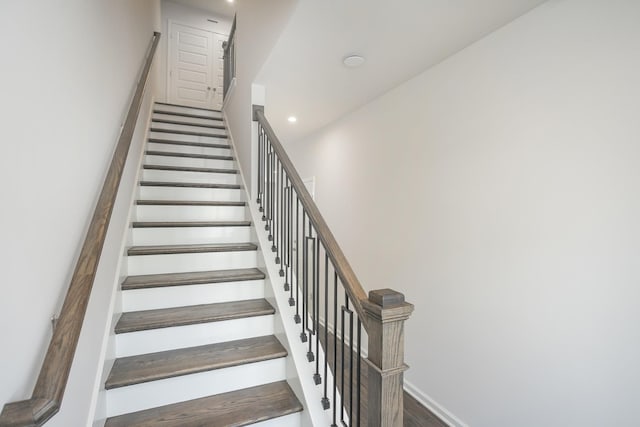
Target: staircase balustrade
(229,57)
(48,393)
(331,307)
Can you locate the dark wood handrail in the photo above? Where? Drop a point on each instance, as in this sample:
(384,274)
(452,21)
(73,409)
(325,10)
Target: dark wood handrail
(347,276)
(49,390)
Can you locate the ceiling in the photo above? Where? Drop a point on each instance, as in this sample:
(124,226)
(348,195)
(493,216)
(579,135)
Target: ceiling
(218,7)
(304,74)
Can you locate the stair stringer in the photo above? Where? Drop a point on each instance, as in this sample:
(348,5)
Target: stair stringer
(299,371)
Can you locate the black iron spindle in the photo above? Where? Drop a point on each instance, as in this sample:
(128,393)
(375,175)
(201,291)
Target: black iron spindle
(325,399)
(317,377)
(346,297)
(297,316)
(259,198)
(335,345)
(305,290)
(359,363)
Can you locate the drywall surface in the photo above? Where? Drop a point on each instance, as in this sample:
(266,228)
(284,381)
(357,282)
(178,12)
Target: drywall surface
(500,191)
(258,25)
(185,15)
(68,78)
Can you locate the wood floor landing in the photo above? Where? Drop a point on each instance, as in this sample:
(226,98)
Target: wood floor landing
(133,321)
(236,408)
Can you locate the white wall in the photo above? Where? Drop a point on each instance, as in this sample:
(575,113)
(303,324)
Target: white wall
(258,25)
(500,191)
(69,69)
(182,14)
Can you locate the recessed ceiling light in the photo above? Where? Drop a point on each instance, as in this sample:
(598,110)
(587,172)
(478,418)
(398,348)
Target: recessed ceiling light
(292,119)
(229,1)
(353,61)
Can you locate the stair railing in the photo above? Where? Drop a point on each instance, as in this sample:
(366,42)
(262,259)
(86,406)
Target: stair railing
(229,57)
(331,306)
(48,393)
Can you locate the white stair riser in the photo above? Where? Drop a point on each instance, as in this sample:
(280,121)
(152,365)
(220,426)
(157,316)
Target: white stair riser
(188,128)
(190,149)
(211,122)
(190,235)
(154,340)
(171,390)
(179,296)
(291,420)
(189,138)
(190,213)
(187,110)
(179,176)
(187,161)
(176,263)
(191,193)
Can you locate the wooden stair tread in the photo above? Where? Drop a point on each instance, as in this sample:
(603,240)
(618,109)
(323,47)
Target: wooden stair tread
(189,143)
(184,361)
(187,224)
(191,278)
(188,155)
(189,169)
(209,110)
(192,116)
(187,203)
(191,315)
(190,185)
(188,132)
(236,408)
(190,249)
(178,122)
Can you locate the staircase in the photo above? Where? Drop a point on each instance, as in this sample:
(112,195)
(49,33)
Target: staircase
(195,343)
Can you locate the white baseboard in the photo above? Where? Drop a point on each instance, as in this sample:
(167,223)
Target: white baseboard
(437,409)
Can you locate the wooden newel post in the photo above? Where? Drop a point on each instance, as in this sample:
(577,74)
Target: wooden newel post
(386,312)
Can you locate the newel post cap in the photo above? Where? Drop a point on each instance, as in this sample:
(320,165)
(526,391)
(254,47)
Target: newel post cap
(387,305)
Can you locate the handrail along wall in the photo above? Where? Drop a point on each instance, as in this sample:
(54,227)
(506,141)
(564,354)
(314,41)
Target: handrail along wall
(49,391)
(331,305)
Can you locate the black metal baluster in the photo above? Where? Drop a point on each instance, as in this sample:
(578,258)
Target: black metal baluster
(259,199)
(280,254)
(325,400)
(263,202)
(285,246)
(303,335)
(268,192)
(346,297)
(358,389)
(272,190)
(311,323)
(335,345)
(342,361)
(291,248)
(276,203)
(317,377)
(297,316)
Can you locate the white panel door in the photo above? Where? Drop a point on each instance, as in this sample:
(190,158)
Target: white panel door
(195,67)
